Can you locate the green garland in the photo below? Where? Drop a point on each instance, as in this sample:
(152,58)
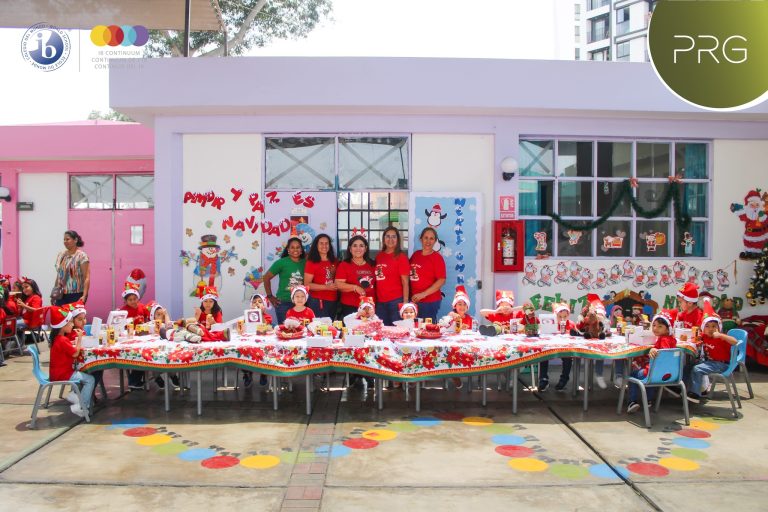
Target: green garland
(672,195)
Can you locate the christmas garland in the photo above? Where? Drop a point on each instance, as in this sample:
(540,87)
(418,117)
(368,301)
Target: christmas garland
(672,195)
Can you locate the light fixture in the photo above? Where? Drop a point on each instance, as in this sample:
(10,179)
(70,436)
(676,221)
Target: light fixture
(5,193)
(508,168)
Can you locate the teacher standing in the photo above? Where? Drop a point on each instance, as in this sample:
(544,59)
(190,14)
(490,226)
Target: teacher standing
(73,271)
(320,277)
(290,269)
(355,275)
(427,275)
(392,269)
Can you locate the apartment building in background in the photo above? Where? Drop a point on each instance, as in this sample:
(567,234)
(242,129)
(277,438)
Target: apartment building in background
(612,29)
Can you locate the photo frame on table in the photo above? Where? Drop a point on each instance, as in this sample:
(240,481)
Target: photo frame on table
(117,320)
(548,323)
(252,317)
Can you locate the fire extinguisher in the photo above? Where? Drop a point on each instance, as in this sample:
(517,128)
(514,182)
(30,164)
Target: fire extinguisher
(508,247)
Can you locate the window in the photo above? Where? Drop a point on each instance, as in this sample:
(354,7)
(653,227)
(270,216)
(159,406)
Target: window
(599,28)
(111,191)
(622,51)
(604,54)
(622,21)
(370,213)
(581,179)
(577,11)
(300,162)
(577,54)
(595,4)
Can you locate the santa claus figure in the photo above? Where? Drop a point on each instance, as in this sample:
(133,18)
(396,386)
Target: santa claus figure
(752,214)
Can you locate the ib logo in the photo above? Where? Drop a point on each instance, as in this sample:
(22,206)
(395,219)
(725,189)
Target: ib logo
(123,35)
(45,47)
(712,54)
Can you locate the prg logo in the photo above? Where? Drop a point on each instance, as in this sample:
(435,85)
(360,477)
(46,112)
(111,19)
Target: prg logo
(45,46)
(119,35)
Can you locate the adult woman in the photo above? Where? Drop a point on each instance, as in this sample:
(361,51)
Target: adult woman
(30,301)
(355,275)
(320,277)
(427,275)
(73,271)
(290,269)
(392,269)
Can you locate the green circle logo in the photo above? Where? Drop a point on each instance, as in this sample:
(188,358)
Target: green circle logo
(712,54)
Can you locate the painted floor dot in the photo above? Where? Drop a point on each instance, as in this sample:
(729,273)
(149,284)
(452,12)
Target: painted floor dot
(514,451)
(197,454)
(403,426)
(335,451)
(696,444)
(498,428)
(704,425)
(606,471)
(528,465)
(360,443)
(477,421)
(426,421)
(154,440)
(170,448)
(140,431)
(507,439)
(678,464)
(717,419)
(220,462)
(128,423)
(260,461)
(647,469)
(380,435)
(688,453)
(450,416)
(569,471)
(694,433)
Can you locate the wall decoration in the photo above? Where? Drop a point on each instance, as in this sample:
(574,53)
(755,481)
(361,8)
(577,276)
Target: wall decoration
(613,242)
(651,275)
(639,276)
(665,276)
(653,239)
(755,218)
(255,245)
(722,280)
(615,274)
(561,273)
(679,270)
(601,278)
(207,262)
(541,241)
(546,276)
(693,275)
(575,270)
(316,210)
(688,243)
(628,269)
(435,216)
(574,236)
(231,271)
(529,274)
(707,280)
(585,283)
(188,232)
(227,239)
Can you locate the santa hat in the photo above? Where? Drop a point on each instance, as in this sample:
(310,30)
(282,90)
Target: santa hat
(401,307)
(299,288)
(557,307)
(262,297)
(137,274)
(751,194)
(437,208)
(668,316)
(461,295)
(209,292)
(689,292)
(710,315)
(507,296)
(594,302)
(366,302)
(61,315)
(153,307)
(131,288)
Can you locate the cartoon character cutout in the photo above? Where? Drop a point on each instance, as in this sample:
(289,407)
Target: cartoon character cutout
(435,216)
(574,236)
(561,273)
(665,276)
(755,218)
(707,280)
(693,275)
(722,280)
(615,274)
(575,270)
(629,270)
(546,276)
(207,262)
(651,275)
(585,282)
(639,276)
(679,270)
(541,241)
(601,278)
(529,274)
(688,243)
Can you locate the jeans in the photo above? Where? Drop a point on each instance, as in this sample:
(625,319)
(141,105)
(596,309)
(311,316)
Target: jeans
(281,309)
(387,311)
(701,370)
(618,365)
(429,310)
(634,389)
(69,298)
(564,375)
(322,307)
(89,383)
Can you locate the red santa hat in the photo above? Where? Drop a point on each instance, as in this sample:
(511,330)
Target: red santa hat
(751,194)
(401,307)
(507,296)
(153,307)
(366,302)
(710,315)
(557,307)
(689,292)
(262,297)
(461,295)
(668,316)
(594,302)
(61,315)
(437,208)
(137,274)
(208,292)
(131,288)
(299,288)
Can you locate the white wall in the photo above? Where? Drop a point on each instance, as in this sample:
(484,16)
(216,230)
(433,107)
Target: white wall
(44,226)
(219,163)
(459,163)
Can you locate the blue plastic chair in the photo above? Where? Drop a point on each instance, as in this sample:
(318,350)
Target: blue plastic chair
(738,356)
(666,369)
(741,334)
(44,384)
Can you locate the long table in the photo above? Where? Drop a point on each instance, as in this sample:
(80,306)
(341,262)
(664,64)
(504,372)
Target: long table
(406,360)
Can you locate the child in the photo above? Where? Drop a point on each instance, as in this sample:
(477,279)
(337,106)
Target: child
(209,312)
(158,313)
(662,328)
(717,351)
(500,317)
(258,302)
(136,310)
(565,326)
(408,310)
(300,311)
(64,353)
(460,307)
(30,301)
(687,299)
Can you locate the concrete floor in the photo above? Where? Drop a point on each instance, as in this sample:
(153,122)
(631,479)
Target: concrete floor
(453,455)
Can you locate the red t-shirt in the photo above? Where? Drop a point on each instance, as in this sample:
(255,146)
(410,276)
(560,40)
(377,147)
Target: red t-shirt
(307,314)
(466,321)
(322,272)
(499,318)
(662,342)
(354,274)
(62,358)
(716,349)
(425,270)
(390,270)
(11,305)
(140,313)
(33,301)
(267,317)
(217,318)
(692,319)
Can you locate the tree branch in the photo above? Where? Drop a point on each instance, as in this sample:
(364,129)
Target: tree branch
(237,40)
(175,50)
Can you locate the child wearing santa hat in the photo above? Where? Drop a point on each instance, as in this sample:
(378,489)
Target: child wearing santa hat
(300,311)
(460,307)
(687,304)
(717,351)
(661,327)
(565,326)
(500,317)
(64,353)
(209,312)
(408,310)
(136,310)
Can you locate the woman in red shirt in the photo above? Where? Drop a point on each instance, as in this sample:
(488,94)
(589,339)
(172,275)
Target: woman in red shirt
(355,276)
(427,275)
(392,269)
(320,277)
(30,301)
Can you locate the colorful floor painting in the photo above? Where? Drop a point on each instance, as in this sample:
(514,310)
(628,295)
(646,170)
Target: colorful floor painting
(680,448)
